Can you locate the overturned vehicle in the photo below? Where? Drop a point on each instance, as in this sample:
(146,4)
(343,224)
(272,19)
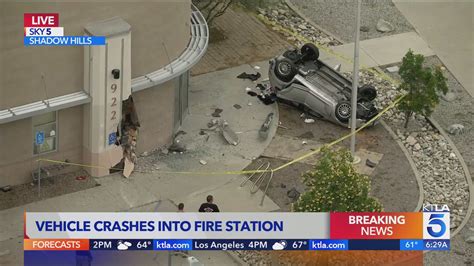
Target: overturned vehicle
(300,78)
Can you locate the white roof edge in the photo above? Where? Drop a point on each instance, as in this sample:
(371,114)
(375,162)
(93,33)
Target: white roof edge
(44,106)
(194,51)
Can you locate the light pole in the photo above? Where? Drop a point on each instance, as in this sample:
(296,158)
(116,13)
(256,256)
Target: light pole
(355,83)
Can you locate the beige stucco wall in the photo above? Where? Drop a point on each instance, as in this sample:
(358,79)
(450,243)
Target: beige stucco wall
(153,23)
(16,141)
(155,110)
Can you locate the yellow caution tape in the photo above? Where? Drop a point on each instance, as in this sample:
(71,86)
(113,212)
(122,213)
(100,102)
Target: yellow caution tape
(343,137)
(301,38)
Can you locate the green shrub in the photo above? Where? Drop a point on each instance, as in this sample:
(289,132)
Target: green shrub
(334,185)
(423,86)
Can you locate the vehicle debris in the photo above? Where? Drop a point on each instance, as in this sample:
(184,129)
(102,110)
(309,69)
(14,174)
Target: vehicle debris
(252,77)
(127,135)
(177,146)
(217,112)
(6,188)
(181,132)
(128,167)
(81,177)
(229,134)
(393,69)
(370,164)
(265,128)
(129,144)
(456,129)
(267,98)
(293,194)
(212,123)
(262,87)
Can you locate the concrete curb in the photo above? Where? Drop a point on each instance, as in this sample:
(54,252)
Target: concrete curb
(467,175)
(412,165)
(309,21)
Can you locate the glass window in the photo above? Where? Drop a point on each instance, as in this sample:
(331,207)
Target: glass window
(44,133)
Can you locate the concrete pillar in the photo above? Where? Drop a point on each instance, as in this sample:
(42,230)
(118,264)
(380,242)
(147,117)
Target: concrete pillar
(107,78)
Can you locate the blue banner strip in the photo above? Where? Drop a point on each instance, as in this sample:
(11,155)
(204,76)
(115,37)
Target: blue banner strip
(63,40)
(172,244)
(328,244)
(357,244)
(250,244)
(411,244)
(442,244)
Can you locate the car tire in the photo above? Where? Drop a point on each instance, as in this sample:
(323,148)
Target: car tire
(292,55)
(343,111)
(310,52)
(367,92)
(285,69)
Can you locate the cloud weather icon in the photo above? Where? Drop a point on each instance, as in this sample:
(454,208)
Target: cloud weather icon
(123,245)
(279,245)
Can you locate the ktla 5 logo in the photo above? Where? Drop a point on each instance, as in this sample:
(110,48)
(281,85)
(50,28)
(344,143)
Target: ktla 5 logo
(436,225)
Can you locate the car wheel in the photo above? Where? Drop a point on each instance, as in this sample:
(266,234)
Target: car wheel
(285,69)
(343,111)
(367,92)
(292,55)
(310,52)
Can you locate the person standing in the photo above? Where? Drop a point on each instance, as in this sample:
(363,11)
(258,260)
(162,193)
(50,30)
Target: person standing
(209,205)
(181,207)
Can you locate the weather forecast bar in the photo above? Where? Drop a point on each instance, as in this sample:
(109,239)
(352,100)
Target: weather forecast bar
(234,244)
(238,231)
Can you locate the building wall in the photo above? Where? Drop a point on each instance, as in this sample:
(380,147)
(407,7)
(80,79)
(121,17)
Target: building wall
(160,32)
(16,141)
(155,25)
(155,110)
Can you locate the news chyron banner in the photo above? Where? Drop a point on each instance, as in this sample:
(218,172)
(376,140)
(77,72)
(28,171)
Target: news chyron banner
(42,29)
(73,231)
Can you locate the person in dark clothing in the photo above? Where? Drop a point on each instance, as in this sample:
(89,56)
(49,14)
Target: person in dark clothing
(209,206)
(181,207)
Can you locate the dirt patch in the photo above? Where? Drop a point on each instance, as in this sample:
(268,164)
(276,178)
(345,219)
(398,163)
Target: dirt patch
(216,35)
(393,181)
(50,187)
(283,181)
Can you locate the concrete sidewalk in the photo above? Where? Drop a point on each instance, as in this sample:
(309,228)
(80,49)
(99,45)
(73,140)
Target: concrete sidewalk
(379,51)
(447,26)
